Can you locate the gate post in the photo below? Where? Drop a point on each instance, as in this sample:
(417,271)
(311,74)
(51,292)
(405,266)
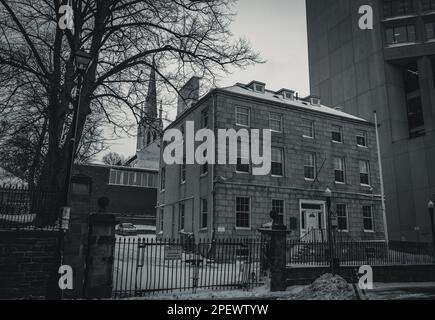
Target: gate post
(277,252)
(100,256)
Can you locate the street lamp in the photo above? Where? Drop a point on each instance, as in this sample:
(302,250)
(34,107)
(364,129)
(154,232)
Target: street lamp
(430,207)
(82,61)
(328,195)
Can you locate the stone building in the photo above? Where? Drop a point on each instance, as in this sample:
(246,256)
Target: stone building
(390,70)
(313,147)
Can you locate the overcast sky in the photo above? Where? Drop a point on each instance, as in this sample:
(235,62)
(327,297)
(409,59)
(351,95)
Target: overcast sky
(276,29)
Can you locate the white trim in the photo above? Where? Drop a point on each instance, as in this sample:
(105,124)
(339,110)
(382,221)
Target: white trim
(321,202)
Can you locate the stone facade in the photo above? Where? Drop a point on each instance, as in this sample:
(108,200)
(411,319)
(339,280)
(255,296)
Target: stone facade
(361,71)
(222,184)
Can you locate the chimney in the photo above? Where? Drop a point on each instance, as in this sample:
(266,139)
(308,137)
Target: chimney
(188,95)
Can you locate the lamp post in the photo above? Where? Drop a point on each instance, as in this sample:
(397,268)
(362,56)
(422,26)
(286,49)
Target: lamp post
(430,207)
(82,61)
(328,195)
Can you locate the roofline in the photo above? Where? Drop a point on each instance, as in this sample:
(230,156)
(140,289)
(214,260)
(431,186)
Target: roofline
(115,167)
(215,91)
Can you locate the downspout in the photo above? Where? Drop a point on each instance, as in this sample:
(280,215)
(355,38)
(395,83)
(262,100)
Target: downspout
(378,146)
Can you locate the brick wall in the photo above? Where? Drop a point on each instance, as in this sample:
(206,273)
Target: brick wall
(27,260)
(123,199)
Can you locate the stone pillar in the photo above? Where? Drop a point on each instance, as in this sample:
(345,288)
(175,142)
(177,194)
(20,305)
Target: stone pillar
(99,265)
(76,237)
(276,256)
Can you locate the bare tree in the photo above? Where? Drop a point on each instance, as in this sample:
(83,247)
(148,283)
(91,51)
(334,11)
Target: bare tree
(113,158)
(185,37)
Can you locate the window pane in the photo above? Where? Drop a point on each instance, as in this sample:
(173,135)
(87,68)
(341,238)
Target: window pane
(336,134)
(275,121)
(342,217)
(242,116)
(112,177)
(367,218)
(277,162)
(242,212)
(278,207)
(309,166)
(308,128)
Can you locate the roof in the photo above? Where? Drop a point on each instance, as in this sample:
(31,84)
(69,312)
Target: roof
(274,97)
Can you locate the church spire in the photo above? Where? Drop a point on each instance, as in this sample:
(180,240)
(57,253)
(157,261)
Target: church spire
(151,99)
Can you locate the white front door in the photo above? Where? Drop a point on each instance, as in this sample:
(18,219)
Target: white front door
(312,220)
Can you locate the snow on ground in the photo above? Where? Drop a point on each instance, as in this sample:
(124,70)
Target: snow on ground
(402,291)
(326,287)
(261,293)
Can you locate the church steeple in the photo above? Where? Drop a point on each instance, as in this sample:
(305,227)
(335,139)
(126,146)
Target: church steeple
(149,121)
(151,99)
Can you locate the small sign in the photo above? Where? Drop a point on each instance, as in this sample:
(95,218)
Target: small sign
(173,253)
(221,229)
(66,213)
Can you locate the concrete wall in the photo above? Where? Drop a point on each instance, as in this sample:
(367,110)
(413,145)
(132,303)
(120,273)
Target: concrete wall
(352,68)
(28,262)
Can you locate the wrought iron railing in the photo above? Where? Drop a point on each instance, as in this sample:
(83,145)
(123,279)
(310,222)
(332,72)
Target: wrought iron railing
(22,208)
(357,253)
(144,266)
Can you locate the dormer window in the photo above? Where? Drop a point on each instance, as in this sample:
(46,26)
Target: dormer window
(257,86)
(315,101)
(287,94)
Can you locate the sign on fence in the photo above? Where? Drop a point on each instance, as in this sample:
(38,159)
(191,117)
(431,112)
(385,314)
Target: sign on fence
(173,253)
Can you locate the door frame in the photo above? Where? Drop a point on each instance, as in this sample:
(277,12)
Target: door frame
(317,202)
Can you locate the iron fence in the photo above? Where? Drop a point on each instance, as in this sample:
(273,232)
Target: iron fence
(22,208)
(357,253)
(145,266)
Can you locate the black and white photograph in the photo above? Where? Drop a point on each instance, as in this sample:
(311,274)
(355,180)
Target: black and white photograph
(218,156)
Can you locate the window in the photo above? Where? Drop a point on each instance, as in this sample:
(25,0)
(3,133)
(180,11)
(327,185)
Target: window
(181,217)
(428,5)
(361,138)
(367,218)
(430,30)
(242,116)
(315,101)
(364,173)
(161,220)
(242,212)
(132,178)
(398,7)
(183,171)
(413,100)
(342,217)
(400,34)
(275,122)
(163,179)
(278,207)
(204,213)
(277,162)
(308,128)
(204,118)
(337,134)
(242,160)
(339,172)
(310,166)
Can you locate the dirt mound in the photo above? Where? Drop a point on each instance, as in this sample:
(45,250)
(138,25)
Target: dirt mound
(327,287)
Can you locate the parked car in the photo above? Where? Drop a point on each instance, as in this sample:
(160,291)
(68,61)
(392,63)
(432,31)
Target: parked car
(126,229)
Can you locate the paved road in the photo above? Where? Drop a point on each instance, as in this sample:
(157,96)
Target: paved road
(402,292)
